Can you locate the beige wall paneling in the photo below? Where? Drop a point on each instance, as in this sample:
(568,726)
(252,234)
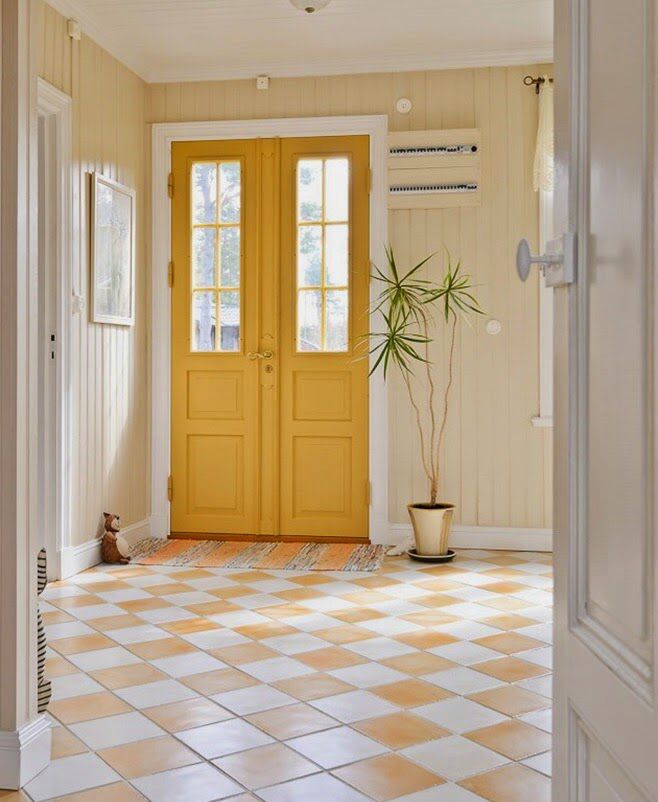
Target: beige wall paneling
(497,466)
(110,373)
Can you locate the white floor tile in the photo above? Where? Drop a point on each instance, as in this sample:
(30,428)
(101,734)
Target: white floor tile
(454,758)
(71,629)
(125,728)
(92,611)
(540,685)
(543,632)
(354,706)
(448,792)
(296,643)
(199,783)
(162,615)
(326,604)
(276,668)
(239,618)
(193,597)
(543,719)
(462,680)
(253,699)
(541,763)
(69,775)
(468,630)
(139,634)
(183,665)
(380,648)
(459,715)
(336,747)
(311,622)
(74,685)
(224,738)
(152,694)
(103,658)
(256,601)
(391,626)
(123,595)
(318,787)
(368,675)
(540,657)
(215,638)
(465,653)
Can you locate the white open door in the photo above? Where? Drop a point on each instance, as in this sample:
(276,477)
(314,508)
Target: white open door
(606,692)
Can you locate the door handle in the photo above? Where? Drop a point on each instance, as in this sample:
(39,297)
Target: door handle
(254,355)
(558,264)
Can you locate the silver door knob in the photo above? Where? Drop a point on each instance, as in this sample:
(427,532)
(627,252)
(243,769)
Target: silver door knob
(254,355)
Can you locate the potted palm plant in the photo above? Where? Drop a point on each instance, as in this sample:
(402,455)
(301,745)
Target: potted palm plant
(411,307)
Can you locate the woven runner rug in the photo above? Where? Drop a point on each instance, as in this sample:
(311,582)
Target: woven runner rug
(250,554)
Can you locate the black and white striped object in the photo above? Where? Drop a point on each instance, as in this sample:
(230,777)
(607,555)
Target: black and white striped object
(432,189)
(44,688)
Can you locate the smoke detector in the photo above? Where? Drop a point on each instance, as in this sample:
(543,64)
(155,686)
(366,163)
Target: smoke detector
(310,5)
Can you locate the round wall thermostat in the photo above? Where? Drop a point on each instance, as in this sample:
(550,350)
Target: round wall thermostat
(493,327)
(404,105)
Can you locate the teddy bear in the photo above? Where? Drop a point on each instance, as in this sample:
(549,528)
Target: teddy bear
(114,548)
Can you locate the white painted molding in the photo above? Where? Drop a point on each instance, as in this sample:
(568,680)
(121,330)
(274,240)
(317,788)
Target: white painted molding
(485,537)
(75,559)
(135,60)
(56,108)
(543,422)
(24,752)
(164,134)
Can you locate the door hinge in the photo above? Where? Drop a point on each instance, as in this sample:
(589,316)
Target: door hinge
(170,487)
(369,181)
(368,492)
(170,185)
(170,274)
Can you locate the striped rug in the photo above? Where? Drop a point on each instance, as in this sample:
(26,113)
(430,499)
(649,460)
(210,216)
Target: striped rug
(250,554)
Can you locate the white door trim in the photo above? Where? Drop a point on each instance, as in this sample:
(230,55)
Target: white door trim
(56,108)
(164,134)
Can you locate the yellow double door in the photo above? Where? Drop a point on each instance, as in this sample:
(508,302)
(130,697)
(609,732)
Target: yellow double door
(270,243)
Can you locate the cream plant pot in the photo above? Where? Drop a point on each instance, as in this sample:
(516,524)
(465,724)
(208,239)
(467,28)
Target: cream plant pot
(431,525)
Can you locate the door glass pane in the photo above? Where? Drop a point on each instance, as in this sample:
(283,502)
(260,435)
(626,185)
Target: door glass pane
(309,320)
(337,190)
(204,257)
(323,257)
(309,190)
(229,318)
(230,257)
(336,320)
(336,255)
(204,321)
(204,192)
(229,187)
(309,256)
(216,269)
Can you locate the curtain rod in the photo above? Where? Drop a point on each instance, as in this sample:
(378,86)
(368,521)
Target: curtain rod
(536,82)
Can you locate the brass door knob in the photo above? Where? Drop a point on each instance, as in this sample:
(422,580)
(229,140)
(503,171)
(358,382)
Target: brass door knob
(253,355)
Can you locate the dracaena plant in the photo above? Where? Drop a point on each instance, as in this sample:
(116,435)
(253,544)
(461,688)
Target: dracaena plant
(411,307)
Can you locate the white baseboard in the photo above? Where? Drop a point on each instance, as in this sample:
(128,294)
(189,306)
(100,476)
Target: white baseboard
(75,559)
(24,753)
(483,537)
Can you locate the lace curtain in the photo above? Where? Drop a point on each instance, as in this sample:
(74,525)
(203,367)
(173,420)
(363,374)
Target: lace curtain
(543,167)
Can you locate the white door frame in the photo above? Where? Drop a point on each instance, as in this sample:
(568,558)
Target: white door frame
(55,108)
(164,134)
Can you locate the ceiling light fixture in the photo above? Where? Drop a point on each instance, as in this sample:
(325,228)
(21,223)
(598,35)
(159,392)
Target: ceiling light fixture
(310,5)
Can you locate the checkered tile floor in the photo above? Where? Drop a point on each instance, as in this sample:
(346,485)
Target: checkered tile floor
(415,684)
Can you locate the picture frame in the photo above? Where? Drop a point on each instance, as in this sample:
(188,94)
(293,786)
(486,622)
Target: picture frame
(112,252)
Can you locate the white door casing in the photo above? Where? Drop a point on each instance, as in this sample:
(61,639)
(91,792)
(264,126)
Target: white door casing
(606,688)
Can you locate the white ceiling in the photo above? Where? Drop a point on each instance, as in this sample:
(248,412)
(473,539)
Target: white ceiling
(186,40)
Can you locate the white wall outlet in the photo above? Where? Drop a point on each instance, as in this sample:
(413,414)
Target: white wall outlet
(73,29)
(263,82)
(404,105)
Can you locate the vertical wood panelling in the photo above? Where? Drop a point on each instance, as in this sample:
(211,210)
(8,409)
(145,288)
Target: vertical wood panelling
(496,466)
(110,374)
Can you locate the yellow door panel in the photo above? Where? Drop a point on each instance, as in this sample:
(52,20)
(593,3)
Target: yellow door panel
(270,243)
(215,386)
(324,297)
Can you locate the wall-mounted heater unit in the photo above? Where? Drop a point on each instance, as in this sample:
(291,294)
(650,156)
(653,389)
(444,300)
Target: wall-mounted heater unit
(434,169)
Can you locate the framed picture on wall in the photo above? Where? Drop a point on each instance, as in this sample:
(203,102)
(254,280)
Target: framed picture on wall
(112,252)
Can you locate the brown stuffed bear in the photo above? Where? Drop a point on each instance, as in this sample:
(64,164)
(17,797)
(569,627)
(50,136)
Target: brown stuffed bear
(114,548)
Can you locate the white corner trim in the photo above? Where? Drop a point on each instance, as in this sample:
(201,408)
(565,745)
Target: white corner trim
(56,108)
(546,227)
(485,537)
(24,752)
(164,134)
(75,559)
(541,422)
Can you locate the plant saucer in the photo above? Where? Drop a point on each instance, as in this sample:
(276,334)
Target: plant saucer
(432,558)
